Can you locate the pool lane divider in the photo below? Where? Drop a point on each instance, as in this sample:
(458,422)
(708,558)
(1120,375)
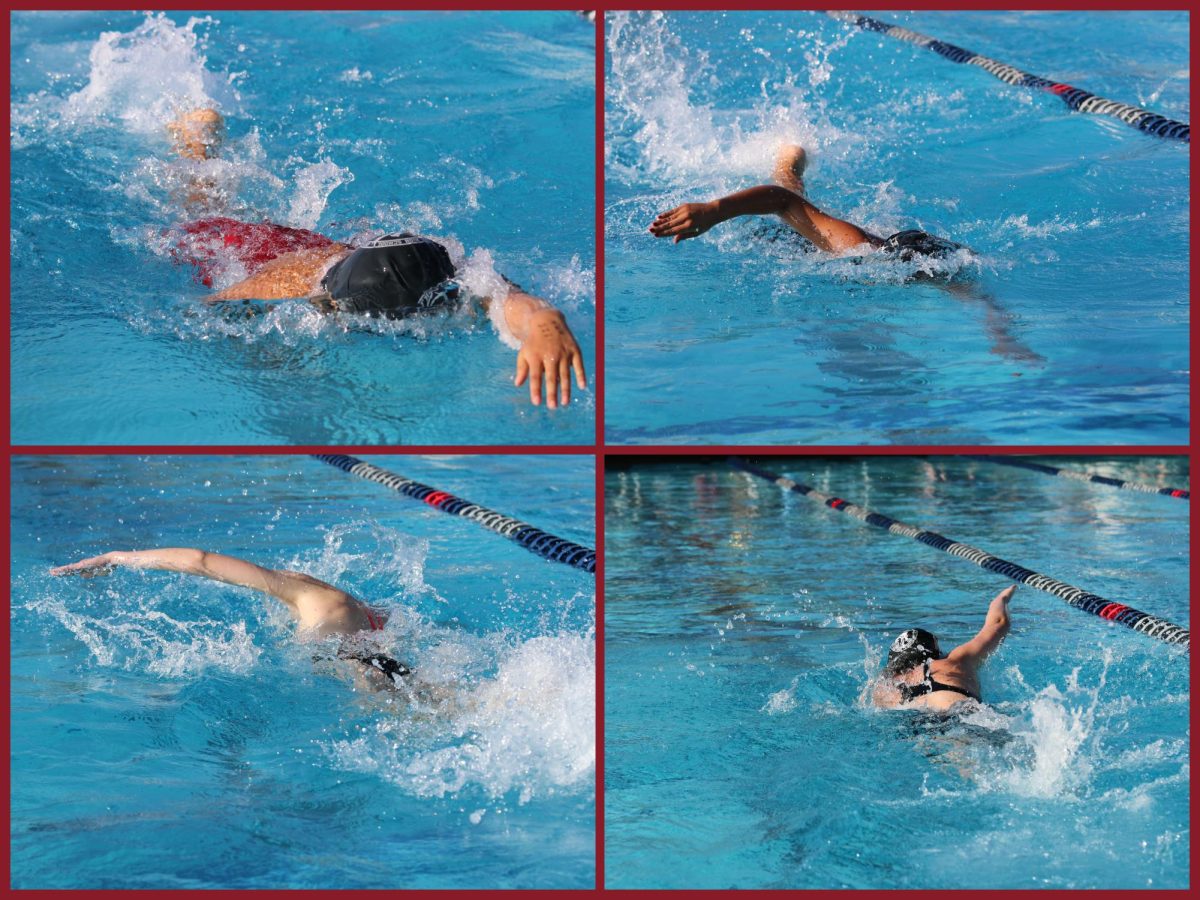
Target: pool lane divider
(1074,475)
(1147,624)
(532,539)
(1076,98)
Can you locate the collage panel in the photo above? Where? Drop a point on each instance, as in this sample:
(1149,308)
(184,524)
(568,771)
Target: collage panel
(840,229)
(273,243)
(302,672)
(896,672)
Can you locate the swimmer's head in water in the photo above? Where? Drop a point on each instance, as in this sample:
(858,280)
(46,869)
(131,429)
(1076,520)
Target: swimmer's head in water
(905,245)
(912,648)
(394,276)
(390,670)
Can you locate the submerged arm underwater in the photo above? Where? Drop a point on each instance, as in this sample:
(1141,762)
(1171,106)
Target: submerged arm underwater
(786,200)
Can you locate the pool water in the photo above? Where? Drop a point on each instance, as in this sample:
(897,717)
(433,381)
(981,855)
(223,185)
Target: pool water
(1066,324)
(169,732)
(475,128)
(744,624)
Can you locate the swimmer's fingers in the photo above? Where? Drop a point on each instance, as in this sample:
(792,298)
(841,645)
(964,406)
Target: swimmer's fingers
(531,371)
(564,379)
(669,222)
(535,385)
(682,223)
(550,367)
(87,568)
(580,374)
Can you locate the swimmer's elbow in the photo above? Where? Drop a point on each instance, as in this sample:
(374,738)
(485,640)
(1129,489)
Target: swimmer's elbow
(783,199)
(199,562)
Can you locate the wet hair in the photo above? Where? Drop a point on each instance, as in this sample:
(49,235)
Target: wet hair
(910,649)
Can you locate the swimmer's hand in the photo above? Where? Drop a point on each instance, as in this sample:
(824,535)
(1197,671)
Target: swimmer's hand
(549,353)
(91,567)
(687,221)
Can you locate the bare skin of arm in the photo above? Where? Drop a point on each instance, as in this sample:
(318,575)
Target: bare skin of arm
(313,603)
(995,628)
(295,275)
(549,352)
(785,199)
(826,232)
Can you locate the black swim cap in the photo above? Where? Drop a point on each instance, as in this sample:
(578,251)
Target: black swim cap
(394,276)
(911,648)
(904,245)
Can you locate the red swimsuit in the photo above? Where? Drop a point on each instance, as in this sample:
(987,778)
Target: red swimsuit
(207,242)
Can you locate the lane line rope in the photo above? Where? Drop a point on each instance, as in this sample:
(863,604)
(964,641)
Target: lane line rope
(1074,475)
(1076,98)
(1147,624)
(532,539)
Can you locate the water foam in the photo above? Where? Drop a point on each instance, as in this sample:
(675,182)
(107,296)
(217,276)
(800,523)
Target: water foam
(663,135)
(146,77)
(649,94)
(134,636)
(1057,739)
(523,730)
(511,717)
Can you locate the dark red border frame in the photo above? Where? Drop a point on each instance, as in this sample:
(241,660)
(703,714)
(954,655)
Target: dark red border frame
(598,449)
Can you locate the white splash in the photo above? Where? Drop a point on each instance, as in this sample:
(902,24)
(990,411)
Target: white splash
(136,637)
(148,76)
(781,701)
(526,730)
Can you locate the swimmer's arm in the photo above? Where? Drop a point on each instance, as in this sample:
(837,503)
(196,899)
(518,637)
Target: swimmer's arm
(885,694)
(997,322)
(549,351)
(292,588)
(826,232)
(292,276)
(995,629)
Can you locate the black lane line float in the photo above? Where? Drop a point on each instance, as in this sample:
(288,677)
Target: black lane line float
(1076,98)
(1019,463)
(532,539)
(1080,599)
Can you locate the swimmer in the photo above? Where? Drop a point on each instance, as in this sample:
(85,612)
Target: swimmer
(395,276)
(919,676)
(786,199)
(320,609)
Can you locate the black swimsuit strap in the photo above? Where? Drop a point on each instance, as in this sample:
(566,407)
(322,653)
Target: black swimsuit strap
(939,686)
(928,685)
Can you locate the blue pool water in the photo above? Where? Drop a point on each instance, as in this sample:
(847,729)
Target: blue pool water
(1072,318)
(474,128)
(743,625)
(170,733)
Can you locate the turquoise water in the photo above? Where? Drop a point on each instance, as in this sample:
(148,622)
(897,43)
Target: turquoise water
(743,624)
(170,733)
(1071,320)
(474,128)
